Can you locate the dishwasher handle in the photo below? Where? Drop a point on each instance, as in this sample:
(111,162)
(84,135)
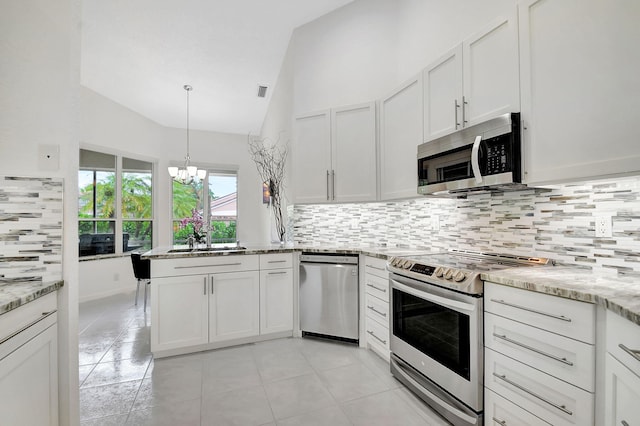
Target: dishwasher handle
(328,258)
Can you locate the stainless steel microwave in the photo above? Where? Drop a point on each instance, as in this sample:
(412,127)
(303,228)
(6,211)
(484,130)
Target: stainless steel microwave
(486,156)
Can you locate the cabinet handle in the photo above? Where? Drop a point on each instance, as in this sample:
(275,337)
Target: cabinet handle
(207,266)
(333,184)
(624,423)
(377,311)
(524,308)
(32,323)
(384,290)
(327,185)
(277,261)
(500,422)
(456,105)
(211,285)
(277,273)
(204,279)
(384,342)
(464,112)
(532,349)
(541,398)
(634,353)
(375,267)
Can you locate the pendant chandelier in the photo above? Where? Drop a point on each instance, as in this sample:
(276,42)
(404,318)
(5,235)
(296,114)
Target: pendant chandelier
(186,174)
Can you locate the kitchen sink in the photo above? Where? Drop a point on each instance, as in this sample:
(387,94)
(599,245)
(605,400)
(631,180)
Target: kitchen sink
(207,249)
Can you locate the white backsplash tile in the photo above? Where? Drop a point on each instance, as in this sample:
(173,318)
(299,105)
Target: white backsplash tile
(557,223)
(30,229)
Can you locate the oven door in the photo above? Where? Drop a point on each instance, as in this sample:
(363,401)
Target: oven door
(438,332)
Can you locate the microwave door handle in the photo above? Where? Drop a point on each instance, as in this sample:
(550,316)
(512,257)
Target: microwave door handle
(475,164)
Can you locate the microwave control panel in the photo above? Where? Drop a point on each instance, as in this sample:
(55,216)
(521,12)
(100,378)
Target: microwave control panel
(498,155)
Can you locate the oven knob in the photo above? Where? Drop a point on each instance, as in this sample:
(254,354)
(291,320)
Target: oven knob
(459,276)
(439,272)
(406,264)
(449,274)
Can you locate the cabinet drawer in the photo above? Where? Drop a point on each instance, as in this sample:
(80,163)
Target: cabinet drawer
(203,265)
(377,309)
(376,286)
(375,266)
(551,399)
(623,339)
(378,337)
(276,261)
(622,395)
(561,316)
(21,317)
(566,359)
(500,412)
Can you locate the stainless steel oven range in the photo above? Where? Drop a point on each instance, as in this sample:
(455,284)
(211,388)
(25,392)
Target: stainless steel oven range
(436,326)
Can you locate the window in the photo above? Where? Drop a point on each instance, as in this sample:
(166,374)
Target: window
(214,199)
(101,229)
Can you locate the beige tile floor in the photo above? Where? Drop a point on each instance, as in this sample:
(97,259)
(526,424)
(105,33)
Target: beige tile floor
(284,382)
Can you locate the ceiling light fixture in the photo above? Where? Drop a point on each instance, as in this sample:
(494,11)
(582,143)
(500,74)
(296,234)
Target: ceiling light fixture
(185,175)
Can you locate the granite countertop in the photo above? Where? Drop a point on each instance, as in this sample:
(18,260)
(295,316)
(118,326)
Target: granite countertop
(16,294)
(382,252)
(618,294)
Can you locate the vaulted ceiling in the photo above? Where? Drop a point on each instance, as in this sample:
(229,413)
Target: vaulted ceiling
(140,53)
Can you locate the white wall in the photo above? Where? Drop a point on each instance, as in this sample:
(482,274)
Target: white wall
(39,91)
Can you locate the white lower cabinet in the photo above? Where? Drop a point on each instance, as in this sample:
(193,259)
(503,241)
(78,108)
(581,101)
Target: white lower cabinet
(29,365)
(540,358)
(501,412)
(234,306)
(276,301)
(622,372)
(377,306)
(248,298)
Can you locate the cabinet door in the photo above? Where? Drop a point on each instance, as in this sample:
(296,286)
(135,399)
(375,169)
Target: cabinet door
(179,312)
(443,95)
(622,394)
(353,138)
(401,117)
(29,382)
(579,65)
(491,77)
(312,158)
(276,301)
(234,306)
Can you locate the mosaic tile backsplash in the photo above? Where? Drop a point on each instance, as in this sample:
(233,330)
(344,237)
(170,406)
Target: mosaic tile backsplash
(30,229)
(556,223)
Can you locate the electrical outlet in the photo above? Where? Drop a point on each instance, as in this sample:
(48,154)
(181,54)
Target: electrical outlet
(604,226)
(435,222)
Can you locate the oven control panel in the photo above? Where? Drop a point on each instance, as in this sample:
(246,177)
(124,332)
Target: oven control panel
(441,272)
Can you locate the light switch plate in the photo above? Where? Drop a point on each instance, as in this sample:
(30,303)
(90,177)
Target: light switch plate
(48,157)
(604,226)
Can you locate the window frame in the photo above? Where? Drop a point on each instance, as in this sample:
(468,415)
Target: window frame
(211,169)
(118,215)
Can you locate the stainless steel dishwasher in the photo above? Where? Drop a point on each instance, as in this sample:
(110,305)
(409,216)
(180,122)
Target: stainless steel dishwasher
(329,296)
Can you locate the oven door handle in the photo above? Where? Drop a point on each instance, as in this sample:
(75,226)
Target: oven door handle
(475,163)
(443,301)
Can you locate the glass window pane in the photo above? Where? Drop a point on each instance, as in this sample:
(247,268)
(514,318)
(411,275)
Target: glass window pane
(136,195)
(180,234)
(85,191)
(96,237)
(186,198)
(223,190)
(105,196)
(136,235)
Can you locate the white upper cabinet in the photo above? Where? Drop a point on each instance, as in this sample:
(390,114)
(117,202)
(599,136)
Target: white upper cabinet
(335,155)
(401,127)
(312,157)
(580,77)
(353,137)
(475,81)
(443,95)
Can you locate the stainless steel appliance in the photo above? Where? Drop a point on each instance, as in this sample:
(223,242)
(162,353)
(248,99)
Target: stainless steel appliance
(436,328)
(486,156)
(329,296)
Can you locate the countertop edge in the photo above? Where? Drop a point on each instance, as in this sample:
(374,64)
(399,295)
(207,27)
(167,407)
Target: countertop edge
(19,294)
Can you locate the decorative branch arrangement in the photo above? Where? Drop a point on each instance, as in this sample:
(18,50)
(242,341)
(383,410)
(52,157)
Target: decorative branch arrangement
(271,160)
